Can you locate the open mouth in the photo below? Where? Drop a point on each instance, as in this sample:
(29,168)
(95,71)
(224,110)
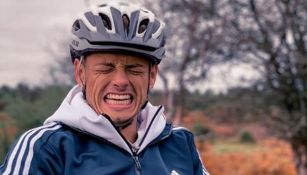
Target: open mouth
(118,99)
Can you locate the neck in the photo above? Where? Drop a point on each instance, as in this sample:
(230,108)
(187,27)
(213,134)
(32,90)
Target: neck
(130,133)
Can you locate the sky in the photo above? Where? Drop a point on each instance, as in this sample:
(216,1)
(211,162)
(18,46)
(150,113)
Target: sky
(29,28)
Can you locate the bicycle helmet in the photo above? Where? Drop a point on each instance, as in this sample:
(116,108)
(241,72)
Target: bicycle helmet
(119,27)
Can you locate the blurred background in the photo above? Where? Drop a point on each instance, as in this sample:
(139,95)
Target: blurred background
(235,74)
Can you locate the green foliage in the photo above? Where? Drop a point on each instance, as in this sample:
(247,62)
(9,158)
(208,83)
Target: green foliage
(197,100)
(155,97)
(247,137)
(4,141)
(199,129)
(29,107)
(237,105)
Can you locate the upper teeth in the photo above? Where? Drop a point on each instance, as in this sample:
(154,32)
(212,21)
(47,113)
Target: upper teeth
(118,97)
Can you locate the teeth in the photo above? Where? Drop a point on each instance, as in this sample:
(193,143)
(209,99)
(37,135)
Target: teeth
(118,97)
(118,102)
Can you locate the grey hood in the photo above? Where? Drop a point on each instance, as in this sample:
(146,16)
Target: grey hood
(76,113)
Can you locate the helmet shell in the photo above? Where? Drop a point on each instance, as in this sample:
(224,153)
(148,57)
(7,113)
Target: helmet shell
(119,28)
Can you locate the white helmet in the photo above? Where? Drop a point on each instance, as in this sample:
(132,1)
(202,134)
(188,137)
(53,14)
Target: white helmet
(119,28)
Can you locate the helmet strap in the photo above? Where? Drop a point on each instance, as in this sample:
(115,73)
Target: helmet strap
(83,85)
(148,86)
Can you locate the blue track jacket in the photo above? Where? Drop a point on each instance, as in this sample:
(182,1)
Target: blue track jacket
(77,141)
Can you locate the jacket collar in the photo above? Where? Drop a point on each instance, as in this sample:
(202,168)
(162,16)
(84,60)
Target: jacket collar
(76,113)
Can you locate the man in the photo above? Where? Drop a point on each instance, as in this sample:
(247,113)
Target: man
(105,125)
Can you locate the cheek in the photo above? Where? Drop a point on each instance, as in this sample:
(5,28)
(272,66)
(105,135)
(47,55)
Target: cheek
(98,87)
(95,91)
(140,86)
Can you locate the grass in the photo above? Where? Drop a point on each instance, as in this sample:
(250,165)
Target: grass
(222,147)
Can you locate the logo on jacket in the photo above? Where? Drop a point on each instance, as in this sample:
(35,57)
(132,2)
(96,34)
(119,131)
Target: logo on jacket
(174,173)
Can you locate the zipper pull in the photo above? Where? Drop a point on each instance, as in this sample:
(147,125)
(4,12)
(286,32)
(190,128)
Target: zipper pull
(134,150)
(137,162)
(136,158)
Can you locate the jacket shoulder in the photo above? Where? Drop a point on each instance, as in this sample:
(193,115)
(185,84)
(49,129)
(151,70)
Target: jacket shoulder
(182,131)
(27,148)
(181,135)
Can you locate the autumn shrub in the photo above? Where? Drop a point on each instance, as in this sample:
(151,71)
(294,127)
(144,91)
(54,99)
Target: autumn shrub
(7,134)
(200,129)
(272,157)
(247,137)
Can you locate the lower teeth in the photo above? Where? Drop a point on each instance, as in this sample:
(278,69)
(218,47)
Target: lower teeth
(118,102)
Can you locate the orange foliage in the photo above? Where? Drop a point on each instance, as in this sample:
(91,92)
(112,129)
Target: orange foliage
(7,124)
(274,159)
(224,130)
(220,129)
(194,117)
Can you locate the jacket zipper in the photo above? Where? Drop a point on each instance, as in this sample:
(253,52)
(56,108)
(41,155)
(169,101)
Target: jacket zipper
(133,150)
(138,165)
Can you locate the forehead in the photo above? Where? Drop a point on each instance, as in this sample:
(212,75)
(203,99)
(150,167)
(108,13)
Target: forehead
(98,58)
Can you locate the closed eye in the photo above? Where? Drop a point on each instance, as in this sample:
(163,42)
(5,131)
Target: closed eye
(135,69)
(104,68)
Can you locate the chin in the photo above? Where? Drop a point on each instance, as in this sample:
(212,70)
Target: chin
(121,116)
(118,115)
(120,112)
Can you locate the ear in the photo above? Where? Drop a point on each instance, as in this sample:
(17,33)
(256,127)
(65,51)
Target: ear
(79,72)
(153,75)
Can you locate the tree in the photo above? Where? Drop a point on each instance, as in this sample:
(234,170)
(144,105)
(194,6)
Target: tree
(198,35)
(272,36)
(61,72)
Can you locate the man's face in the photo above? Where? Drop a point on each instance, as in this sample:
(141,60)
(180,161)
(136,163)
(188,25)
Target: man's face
(116,84)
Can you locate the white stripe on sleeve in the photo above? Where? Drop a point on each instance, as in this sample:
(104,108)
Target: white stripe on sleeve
(21,144)
(31,151)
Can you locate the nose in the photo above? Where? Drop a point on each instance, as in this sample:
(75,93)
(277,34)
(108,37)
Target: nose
(120,80)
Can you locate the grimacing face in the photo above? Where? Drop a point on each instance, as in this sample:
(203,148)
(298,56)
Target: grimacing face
(115,84)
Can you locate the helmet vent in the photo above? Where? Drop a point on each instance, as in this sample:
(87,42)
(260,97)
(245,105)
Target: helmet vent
(123,4)
(126,22)
(143,25)
(76,25)
(106,21)
(102,5)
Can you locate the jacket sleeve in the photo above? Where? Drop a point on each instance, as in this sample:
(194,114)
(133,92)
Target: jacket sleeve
(199,167)
(32,154)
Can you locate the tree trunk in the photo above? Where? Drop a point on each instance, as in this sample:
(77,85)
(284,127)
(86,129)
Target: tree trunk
(178,115)
(179,102)
(167,98)
(300,157)
(169,103)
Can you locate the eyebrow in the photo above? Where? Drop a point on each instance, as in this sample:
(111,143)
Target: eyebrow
(105,64)
(134,65)
(129,66)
